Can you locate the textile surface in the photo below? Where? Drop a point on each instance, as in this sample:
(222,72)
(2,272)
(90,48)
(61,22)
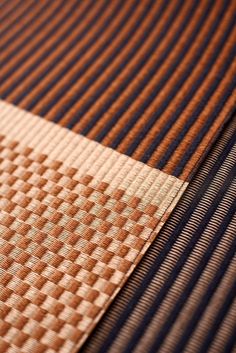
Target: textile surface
(181,298)
(75,219)
(107,110)
(151,79)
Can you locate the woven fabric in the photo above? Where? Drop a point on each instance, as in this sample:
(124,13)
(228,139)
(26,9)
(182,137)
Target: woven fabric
(72,229)
(151,79)
(107,110)
(181,298)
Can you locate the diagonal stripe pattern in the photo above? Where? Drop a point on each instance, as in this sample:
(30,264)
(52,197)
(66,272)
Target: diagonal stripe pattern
(152,79)
(181,298)
(76,218)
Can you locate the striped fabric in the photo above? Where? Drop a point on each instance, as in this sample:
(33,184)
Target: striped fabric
(181,298)
(151,79)
(76,217)
(107,110)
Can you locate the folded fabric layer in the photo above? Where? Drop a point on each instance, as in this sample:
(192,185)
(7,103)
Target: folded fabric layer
(181,297)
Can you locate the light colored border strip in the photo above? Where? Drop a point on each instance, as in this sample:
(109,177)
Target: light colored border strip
(117,171)
(89,157)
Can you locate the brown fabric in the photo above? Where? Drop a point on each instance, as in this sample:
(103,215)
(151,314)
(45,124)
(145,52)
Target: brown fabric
(181,297)
(149,84)
(72,230)
(135,75)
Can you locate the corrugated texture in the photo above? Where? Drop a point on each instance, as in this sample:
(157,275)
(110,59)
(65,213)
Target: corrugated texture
(76,218)
(181,298)
(151,79)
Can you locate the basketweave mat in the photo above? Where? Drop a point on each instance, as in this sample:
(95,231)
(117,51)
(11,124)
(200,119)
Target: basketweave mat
(76,217)
(107,110)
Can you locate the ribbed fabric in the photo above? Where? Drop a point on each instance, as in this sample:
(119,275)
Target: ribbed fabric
(151,79)
(150,85)
(76,218)
(181,298)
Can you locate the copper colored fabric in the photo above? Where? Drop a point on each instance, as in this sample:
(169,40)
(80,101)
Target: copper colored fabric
(107,109)
(181,297)
(151,79)
(76,217)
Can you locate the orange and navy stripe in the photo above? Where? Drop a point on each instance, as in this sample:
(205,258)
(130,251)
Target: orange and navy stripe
(151,79)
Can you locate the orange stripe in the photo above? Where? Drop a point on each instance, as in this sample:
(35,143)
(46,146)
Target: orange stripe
(44,48)
(194,130)
(209,138)
(60,65)
(113,66)
(7,7)
(138,56)
(33,82)
(23,34)
(149,138)
(163,94)
(122,76)
(186,114)
(158,76)
(6,24)
(91,70)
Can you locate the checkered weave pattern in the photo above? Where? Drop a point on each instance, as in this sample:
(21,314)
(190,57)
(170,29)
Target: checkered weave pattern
(107,110)
(69,239)
(181,297)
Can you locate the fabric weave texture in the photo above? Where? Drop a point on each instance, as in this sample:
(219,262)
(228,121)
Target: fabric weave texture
(107,111)
(181,298)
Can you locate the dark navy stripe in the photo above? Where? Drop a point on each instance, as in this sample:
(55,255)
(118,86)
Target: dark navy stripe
(23,28)
(80,72)
(30,34)
(46,54)
(159,137)
(130,150)
(195,277)
(132,74)
(161,256)
(174,144)
(70,64)
(168,283)
(189,152)
(230,346)
(220,317)
(8,14)
(117,140)
(17,19)
(142,83)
